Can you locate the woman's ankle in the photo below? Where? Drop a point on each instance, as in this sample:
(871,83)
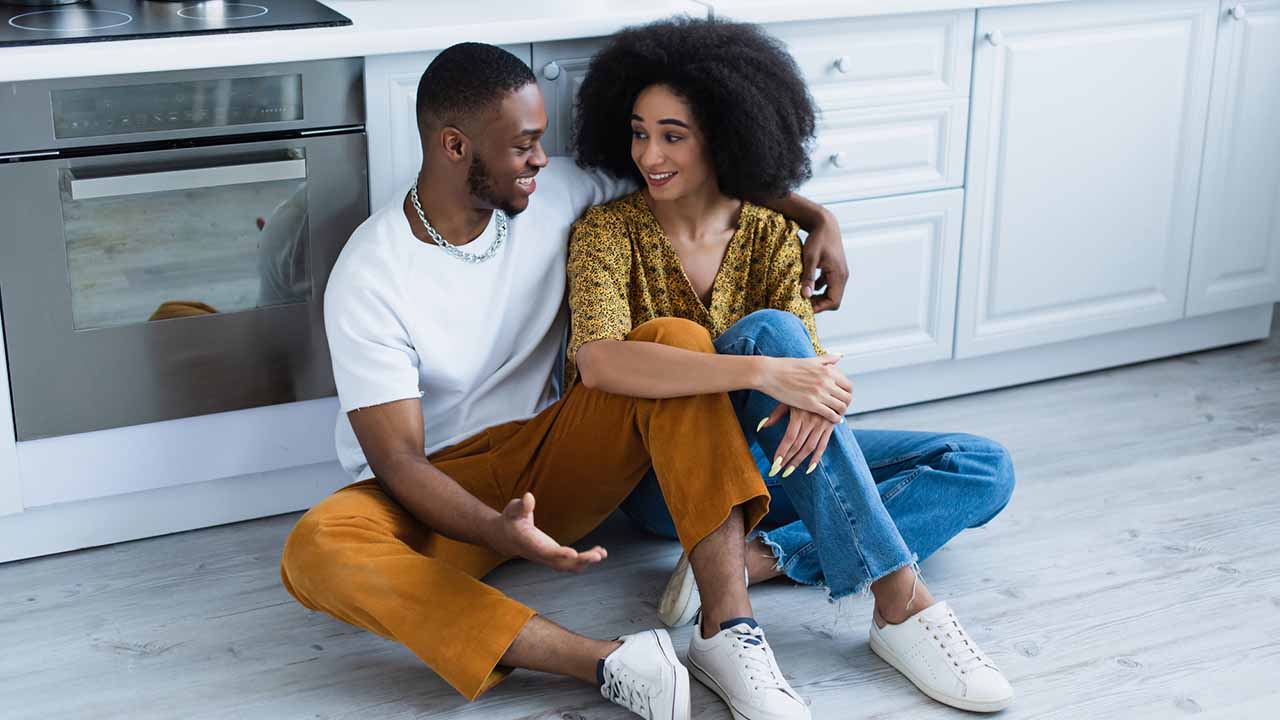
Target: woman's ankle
(898,596)
(762,565)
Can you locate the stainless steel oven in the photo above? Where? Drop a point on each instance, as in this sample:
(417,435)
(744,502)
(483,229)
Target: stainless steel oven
(167,238)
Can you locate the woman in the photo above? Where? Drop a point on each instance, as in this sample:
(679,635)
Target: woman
(712,117)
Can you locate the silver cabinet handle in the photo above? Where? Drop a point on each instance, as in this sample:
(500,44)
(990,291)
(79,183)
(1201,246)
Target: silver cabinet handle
(839,159)
(1237,12)
(114,186)
(995,37)
(551,70)
(843,64)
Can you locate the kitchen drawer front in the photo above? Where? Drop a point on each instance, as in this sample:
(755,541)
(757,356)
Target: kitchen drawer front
(873,61)
(872,152)
(899,305)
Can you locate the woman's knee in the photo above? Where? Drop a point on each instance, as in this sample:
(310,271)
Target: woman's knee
(676,332)
(776,333)
(997,481)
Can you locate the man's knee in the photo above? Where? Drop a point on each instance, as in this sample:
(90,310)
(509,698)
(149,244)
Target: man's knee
(312,551)
(676,332)
(776,333)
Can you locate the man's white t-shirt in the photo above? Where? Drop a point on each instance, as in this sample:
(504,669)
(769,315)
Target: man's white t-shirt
(478,343)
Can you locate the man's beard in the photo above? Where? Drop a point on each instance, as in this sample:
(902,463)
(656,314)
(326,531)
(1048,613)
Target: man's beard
(480,183)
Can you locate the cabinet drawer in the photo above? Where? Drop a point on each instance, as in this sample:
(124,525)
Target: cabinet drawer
(871,152)
(899,306)
(870,61)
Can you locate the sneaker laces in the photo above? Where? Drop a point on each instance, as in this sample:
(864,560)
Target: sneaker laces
(956,643)
(758,661)
(622,688)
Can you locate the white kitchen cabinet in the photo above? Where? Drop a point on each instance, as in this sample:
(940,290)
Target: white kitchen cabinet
(391,120)
(1086,130)
(1235,261)
(899,305)
(560,67)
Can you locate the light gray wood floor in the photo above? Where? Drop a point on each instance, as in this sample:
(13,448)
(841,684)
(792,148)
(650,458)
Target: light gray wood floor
(1136,574)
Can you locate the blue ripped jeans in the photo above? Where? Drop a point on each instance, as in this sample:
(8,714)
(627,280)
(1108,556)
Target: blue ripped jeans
(879,499)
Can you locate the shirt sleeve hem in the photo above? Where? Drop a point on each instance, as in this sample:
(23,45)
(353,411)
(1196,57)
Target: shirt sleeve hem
(366,401)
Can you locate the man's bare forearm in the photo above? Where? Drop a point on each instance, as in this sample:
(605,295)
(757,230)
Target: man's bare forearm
(808,214)
(652,370)
(438,501)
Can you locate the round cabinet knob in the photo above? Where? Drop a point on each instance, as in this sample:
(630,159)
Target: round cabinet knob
(551,70)
(995,37)
(844,64)
(840,159)
(1237,12)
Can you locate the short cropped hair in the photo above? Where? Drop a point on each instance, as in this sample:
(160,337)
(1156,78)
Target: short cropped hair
(746,93)
(465,80)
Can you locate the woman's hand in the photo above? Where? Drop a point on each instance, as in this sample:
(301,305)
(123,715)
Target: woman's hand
(815,385)
(806,437)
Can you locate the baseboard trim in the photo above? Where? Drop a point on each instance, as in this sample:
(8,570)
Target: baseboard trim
(896,387)
(101,521)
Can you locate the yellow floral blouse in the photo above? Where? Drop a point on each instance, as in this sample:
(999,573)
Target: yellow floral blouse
(624,272)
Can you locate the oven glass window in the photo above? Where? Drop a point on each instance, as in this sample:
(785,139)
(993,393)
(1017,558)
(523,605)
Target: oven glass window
(156,243)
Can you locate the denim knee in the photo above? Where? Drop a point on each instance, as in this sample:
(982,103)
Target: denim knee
(997,486)
(777,333)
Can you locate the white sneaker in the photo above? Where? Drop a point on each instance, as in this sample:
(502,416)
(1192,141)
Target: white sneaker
(939,657)
(680,601)
(738,665)
(645,677)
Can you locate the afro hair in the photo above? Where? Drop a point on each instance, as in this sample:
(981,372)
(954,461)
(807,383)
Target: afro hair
(746,93)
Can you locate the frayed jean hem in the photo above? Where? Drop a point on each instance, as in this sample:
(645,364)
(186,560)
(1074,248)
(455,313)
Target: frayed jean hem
(786,565)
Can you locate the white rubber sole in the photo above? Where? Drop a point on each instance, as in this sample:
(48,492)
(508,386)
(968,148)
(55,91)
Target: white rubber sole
(681,708)
(879,648)
(680,601)
(714,687)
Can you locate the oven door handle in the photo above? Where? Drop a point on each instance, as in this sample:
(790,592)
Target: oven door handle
(118,185)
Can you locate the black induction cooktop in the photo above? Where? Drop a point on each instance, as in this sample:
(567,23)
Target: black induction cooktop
(98,20)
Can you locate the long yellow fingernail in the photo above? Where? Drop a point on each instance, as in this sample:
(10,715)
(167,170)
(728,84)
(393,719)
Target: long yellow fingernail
(761,425)
(790,470)
(777,465)
(811,469)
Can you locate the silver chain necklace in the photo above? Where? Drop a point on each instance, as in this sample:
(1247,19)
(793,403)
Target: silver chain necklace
(500,235)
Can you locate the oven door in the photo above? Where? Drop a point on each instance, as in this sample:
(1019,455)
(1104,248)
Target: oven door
(149,286)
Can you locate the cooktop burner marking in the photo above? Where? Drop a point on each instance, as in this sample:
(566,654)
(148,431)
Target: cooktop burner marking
(70,20)
(222,11)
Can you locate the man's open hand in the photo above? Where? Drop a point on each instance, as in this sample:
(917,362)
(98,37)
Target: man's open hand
(515,534)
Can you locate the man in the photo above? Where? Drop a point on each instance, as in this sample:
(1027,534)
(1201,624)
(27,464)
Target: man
(445,317)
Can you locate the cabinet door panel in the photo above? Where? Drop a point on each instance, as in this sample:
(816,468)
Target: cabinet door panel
(1236,259)
(899,305)
(1086,132)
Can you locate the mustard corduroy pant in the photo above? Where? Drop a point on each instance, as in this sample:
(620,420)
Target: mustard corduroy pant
(360,557)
